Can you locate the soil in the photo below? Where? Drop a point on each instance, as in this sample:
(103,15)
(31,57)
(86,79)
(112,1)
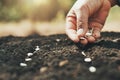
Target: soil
(59,58)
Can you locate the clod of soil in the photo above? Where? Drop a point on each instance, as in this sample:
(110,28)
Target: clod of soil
(45,63)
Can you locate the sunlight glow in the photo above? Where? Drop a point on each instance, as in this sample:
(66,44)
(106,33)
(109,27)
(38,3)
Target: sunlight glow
(39,2)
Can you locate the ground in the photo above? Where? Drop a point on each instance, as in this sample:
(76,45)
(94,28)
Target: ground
(59,58)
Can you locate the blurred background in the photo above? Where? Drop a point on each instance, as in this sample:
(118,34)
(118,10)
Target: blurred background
(44,17)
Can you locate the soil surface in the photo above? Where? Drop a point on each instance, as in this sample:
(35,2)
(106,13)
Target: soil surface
(59,58)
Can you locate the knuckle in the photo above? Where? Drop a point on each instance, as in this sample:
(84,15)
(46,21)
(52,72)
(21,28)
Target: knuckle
(81,8)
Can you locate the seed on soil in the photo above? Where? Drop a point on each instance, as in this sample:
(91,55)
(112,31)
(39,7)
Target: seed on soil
(23,64)
(29,54)
(43,69)
(62,63)
(58,40)
(116,40)
(28,59)
(80,31)
(92,69)
(83,53)
(37,48)
(87,59)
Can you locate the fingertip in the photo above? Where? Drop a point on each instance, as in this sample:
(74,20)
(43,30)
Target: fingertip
(74,38)
(72,35)
(96,34)
(91,39)
(84,41)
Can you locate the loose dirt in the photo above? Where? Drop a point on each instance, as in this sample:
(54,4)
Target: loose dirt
(59,58)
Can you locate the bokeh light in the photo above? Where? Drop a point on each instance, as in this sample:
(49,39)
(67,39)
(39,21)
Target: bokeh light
(42,16)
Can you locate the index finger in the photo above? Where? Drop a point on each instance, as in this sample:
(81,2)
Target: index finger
(71,26)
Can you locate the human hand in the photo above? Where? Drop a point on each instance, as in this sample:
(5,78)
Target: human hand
(87,14)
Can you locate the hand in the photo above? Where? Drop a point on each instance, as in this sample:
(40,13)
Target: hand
(87,14)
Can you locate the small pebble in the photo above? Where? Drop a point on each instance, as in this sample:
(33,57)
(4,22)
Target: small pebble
(83,53)
(87,59)
(43,69)
(23,64)
(37,48)
(92,69)
(29,54)
(62,63)
(28,59)
(58,40)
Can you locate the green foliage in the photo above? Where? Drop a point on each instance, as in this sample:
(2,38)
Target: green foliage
(14,10)
(8,14)
(9,10)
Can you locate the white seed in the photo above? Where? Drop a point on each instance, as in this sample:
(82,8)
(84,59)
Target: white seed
(92,69)
(23,64)
(37,48)
(88,34)
(58,40)
(80,31)
(28,59)
(29,54)
(87,59)
(62,63)
(83,53)
(115,40)
(43,69)
(82,38)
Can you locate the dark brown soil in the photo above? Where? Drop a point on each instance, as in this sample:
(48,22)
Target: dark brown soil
(105,56)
